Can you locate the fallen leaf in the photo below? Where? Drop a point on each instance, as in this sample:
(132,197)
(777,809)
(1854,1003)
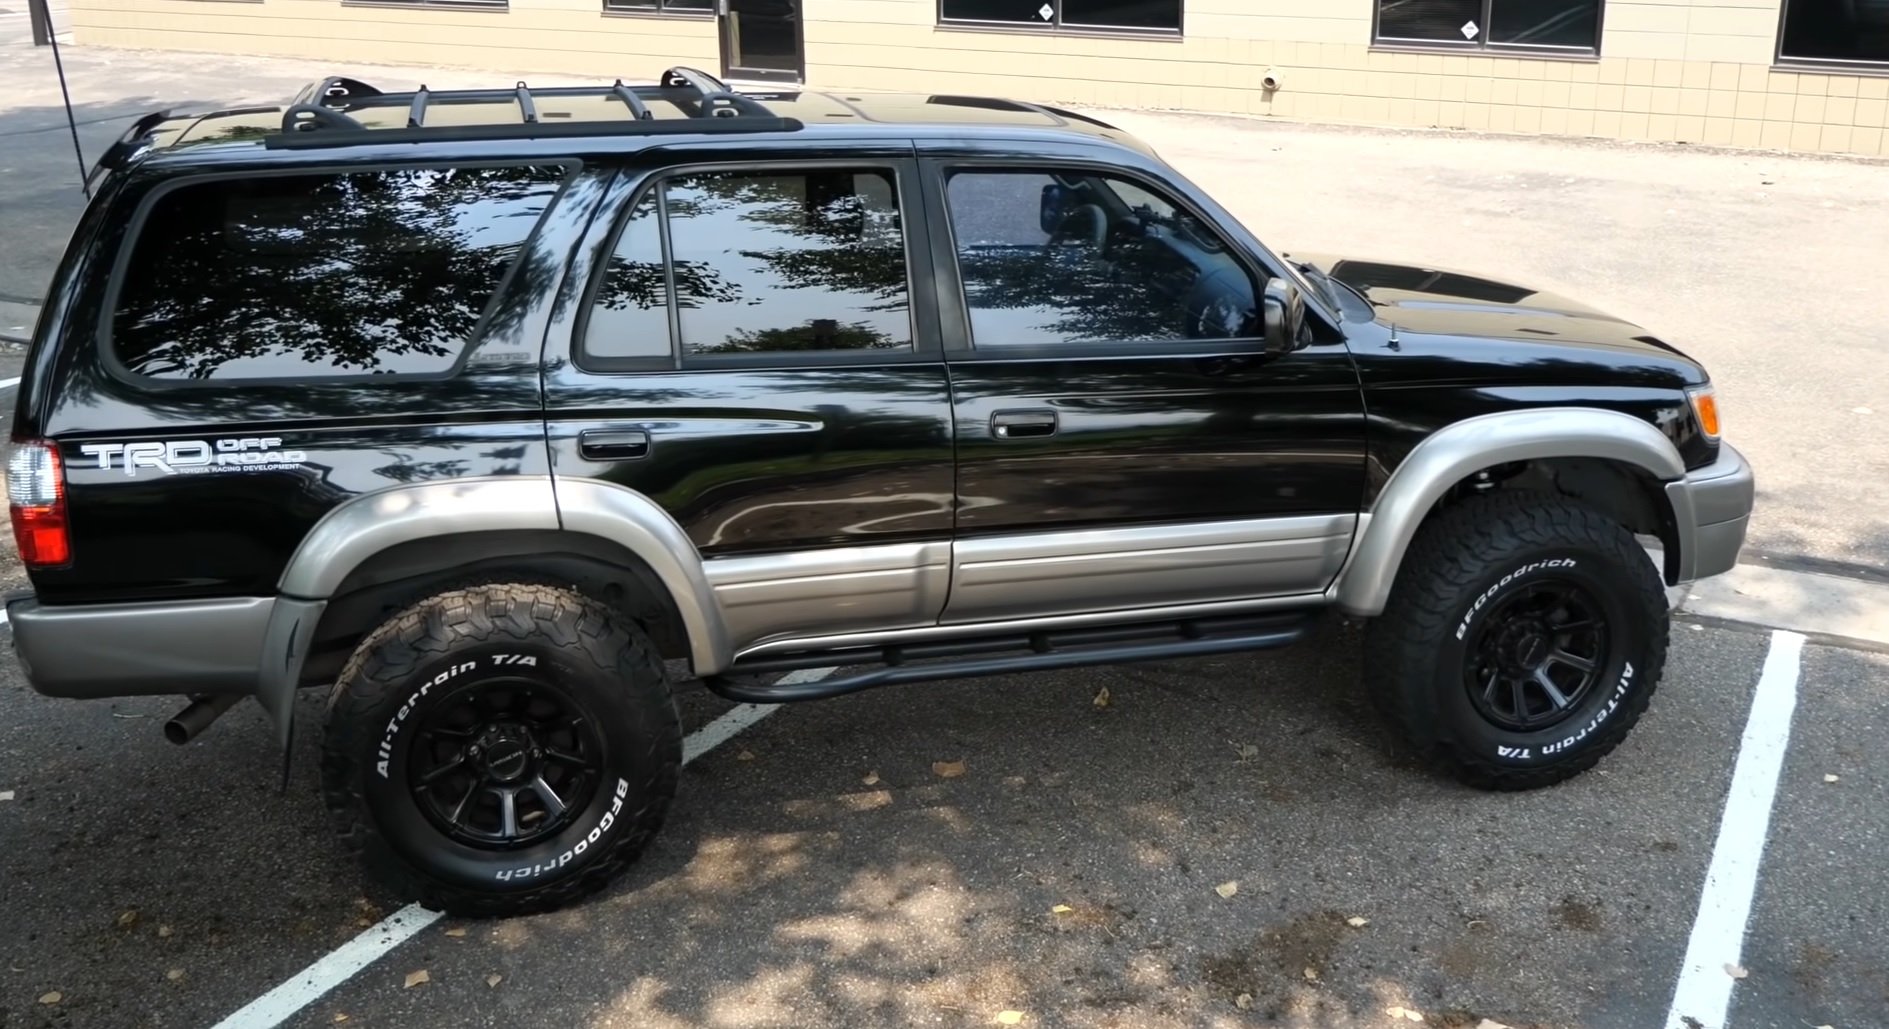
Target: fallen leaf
(6,794)
(163,932)
(458,930)
(1247,751)
(364,922)
(1831,778)
(1490,1023)
(51,998)
(1395,1011)
(1244,1002)
(1736,971)
(948,769)
(128,919)
(1009,1017)
(1311,974)
(341,1017)
(1061,909)
(1227,889)
(416,978)
(493,979)
(746,755)
(871,779)
(174,974)
(1356,922)
(1408,1014)
(1101,697)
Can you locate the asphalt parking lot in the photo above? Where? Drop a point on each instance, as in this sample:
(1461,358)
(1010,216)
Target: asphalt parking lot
(821,869)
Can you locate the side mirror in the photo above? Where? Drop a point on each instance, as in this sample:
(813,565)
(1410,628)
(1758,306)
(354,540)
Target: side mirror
(1284,317)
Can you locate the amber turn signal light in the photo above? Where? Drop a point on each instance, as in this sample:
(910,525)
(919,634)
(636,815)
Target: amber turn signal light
(1705,408)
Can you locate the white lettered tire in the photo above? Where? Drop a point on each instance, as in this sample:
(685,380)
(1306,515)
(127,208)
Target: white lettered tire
(501,749)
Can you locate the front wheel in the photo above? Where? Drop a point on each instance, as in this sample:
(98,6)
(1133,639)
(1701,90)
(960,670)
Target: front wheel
(501,750)
(1523,639)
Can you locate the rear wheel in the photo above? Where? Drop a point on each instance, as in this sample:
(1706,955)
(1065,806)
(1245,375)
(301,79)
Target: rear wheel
(1523,639)
(502,749)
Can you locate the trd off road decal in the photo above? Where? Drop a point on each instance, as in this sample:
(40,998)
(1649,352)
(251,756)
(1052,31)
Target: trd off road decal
(196,456)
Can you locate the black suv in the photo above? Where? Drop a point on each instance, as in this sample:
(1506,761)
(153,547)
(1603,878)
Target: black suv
(471,408)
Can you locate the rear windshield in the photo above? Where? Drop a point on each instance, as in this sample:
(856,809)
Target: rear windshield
(302,276)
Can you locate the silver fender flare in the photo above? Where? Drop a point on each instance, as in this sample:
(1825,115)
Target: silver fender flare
(1458,450)
(356,530)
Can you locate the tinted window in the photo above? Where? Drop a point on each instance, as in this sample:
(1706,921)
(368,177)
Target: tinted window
(1553,24)
(789,261)
(1088,258)
(1836,30)
(630,316)
(314,275)
(1152,15)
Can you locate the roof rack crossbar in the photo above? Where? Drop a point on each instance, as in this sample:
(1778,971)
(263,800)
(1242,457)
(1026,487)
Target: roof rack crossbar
(416,115)
(639,110)
(524,103)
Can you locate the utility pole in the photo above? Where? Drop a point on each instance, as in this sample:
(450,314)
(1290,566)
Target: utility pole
(41,17)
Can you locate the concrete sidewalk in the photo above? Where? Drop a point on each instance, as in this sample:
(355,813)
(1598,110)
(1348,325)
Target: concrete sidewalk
(1769,268)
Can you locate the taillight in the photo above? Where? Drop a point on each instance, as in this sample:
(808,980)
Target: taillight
(36,490)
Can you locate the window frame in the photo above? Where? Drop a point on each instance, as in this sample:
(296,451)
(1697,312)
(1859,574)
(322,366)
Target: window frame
(1482,46)
(921,296)
(658,9)
(938,181)
(1826,65)
(501,6)
(1056,25)
(106,319)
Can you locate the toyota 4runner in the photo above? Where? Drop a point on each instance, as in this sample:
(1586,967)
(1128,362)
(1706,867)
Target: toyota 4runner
(471,408)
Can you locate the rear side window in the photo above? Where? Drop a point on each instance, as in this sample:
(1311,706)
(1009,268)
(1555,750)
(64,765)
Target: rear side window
(289,277)
(804,262)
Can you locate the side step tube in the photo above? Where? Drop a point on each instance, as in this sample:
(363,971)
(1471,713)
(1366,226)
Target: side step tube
(1078,648)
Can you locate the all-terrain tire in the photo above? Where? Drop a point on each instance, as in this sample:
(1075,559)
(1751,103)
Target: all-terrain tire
(1475,596)
(531,690)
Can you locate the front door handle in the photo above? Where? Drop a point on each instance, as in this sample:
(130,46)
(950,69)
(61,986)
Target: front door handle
(613,444)
(1034,424)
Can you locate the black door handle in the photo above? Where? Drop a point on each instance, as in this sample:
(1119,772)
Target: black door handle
(1034,424)
(613,444)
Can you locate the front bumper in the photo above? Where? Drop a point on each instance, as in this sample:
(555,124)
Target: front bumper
(1712,509)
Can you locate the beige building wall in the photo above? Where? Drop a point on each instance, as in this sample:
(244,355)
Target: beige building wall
(1690,71)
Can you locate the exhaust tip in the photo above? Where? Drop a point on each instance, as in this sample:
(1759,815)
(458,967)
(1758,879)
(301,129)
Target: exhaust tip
(192,720)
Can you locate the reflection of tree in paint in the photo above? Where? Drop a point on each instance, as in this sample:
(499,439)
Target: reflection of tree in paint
(371,272)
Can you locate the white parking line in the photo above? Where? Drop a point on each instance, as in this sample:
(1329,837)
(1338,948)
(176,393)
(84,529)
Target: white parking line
(1704,993)
(282,1003)
(9,383)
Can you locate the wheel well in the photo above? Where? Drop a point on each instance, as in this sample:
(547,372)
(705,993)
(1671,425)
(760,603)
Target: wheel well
(1623,492)
(404,574)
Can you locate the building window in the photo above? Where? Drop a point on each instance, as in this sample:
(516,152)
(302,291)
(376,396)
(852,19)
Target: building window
(698,7)
(1104,15)
(1551,26)
(1835,32)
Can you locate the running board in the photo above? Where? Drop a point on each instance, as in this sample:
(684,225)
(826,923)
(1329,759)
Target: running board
(1014,653)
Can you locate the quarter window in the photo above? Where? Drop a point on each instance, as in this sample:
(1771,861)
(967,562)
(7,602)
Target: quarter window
(1132,15)
(759,262)
(1541,25)
(1076,257)
(283,277)
(1835,32)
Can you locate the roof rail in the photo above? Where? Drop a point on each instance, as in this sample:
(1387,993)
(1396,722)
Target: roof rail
(323,113)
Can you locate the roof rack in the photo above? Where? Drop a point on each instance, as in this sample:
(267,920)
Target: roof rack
(321,115)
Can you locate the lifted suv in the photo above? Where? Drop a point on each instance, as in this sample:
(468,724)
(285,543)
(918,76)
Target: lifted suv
(472,407)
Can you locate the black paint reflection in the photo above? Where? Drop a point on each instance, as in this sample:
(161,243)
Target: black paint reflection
(364,273)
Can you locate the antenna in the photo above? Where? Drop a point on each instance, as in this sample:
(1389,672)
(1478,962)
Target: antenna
(72,121)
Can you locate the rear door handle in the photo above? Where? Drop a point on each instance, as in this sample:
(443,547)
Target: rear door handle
(613,444)
(1032,424)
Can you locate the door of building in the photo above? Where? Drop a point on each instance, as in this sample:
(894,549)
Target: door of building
(762,40)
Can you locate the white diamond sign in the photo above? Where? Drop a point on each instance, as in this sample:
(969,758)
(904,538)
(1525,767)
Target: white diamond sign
(1046,11)
(1471,30)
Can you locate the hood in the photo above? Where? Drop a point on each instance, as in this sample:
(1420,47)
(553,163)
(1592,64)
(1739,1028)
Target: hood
(1433,301)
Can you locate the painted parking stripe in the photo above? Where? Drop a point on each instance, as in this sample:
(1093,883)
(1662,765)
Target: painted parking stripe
(282,1003)
(1704,993)
(9,383)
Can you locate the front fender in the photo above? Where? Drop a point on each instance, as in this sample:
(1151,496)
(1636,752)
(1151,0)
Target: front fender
(1458,451)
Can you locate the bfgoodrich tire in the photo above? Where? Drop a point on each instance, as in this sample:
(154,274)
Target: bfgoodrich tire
(501,750)
(1523,639)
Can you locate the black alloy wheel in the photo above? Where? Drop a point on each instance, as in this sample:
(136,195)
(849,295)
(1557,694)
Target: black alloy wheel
(1532,662)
